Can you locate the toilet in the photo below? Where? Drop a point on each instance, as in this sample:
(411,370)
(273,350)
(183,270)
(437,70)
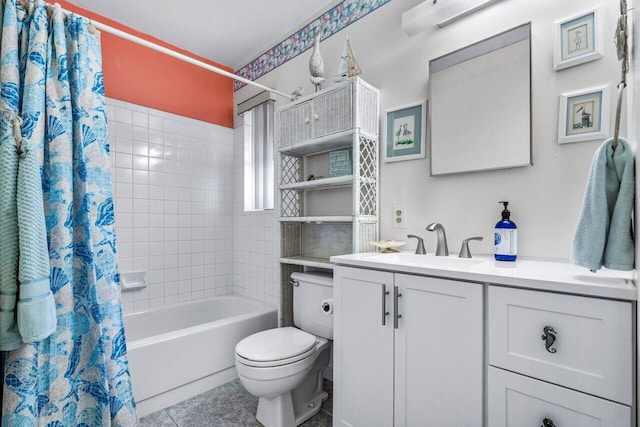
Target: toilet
(284,367)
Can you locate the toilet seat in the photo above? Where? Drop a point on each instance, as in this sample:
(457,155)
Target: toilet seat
(275,363)
(275,347)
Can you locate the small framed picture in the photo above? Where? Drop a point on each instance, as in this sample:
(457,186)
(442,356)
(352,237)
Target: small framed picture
(578,40)
(584,115)
(404,132)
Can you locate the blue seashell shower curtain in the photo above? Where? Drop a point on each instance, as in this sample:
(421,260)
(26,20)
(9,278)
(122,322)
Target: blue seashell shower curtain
(51,77)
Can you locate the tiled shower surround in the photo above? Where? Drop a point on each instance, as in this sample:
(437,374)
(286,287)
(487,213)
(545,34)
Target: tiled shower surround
(256,271)
(178,186)
(174,193)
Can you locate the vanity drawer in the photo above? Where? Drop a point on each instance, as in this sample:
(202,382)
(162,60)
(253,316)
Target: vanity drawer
(578,342)
(515,401)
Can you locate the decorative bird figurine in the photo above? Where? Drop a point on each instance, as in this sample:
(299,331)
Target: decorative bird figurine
(297,93)
(316,64)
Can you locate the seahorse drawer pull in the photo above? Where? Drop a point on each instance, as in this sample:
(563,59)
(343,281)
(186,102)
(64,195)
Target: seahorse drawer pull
(549,337)
(547,423)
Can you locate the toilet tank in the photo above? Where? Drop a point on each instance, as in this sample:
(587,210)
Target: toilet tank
(310,290)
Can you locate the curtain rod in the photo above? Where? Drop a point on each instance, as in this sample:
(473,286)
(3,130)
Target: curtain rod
(178,55)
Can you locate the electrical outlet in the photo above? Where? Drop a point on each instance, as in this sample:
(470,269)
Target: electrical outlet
(399,216)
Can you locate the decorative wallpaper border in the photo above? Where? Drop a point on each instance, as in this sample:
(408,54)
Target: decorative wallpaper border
(335,19)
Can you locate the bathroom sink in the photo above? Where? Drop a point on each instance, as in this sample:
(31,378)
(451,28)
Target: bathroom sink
(427,261)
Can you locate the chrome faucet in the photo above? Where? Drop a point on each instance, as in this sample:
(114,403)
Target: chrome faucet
(420,247)
(442,249)
(464,250)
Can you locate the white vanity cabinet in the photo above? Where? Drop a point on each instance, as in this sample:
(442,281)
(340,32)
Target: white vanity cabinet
(408,350)
(581,347)
(482,343)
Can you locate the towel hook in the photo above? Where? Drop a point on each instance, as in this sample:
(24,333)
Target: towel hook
(616,131)
(622,48)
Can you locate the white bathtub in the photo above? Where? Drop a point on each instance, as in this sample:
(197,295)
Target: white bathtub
(179,351)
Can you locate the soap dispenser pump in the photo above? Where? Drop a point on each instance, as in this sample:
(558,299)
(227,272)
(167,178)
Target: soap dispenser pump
(505,237)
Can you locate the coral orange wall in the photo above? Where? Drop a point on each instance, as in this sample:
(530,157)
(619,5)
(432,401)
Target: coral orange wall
(137,74)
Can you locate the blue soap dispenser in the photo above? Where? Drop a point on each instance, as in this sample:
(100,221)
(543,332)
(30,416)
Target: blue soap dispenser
(506,237)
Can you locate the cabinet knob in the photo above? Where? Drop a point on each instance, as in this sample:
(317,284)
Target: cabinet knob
(549,337)
(547,423)
(315,116)
(306,120)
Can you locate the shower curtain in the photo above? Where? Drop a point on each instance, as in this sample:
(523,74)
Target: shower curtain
(51,79)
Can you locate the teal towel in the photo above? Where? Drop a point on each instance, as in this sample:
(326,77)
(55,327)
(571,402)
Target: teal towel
(36,306)
(604,235)
(9,337)
(27,313)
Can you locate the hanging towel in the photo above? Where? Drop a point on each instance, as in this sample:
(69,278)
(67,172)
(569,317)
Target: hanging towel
(604,234)
(9,337)
(27,313)
(36,306)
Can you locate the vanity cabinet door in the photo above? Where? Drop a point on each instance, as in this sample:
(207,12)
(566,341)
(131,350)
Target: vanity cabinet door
(516,401)
(295,123)
(439,353)
(577,342)
(363,348)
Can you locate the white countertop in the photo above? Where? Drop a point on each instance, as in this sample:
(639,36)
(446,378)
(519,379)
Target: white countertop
(531,274)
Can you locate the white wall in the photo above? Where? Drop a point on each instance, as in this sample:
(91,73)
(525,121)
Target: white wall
(173,192)
(545,198)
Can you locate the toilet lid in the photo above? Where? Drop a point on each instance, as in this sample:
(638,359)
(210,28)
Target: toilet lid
(275,344)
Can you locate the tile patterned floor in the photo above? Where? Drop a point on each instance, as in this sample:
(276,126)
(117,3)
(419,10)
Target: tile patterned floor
(229,405)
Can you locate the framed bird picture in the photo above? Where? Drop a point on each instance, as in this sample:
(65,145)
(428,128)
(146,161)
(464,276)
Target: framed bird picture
(404,132)
(584,115)
(578,39)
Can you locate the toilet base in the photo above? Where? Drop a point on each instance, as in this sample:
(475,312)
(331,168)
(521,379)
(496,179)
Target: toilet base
(295,407)
(309,395)
(312,408)
(276,412)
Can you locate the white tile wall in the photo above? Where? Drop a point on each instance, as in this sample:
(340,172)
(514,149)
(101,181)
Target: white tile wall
(256,240)
(174,198)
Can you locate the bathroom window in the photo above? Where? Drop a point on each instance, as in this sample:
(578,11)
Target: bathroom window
(258,157)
